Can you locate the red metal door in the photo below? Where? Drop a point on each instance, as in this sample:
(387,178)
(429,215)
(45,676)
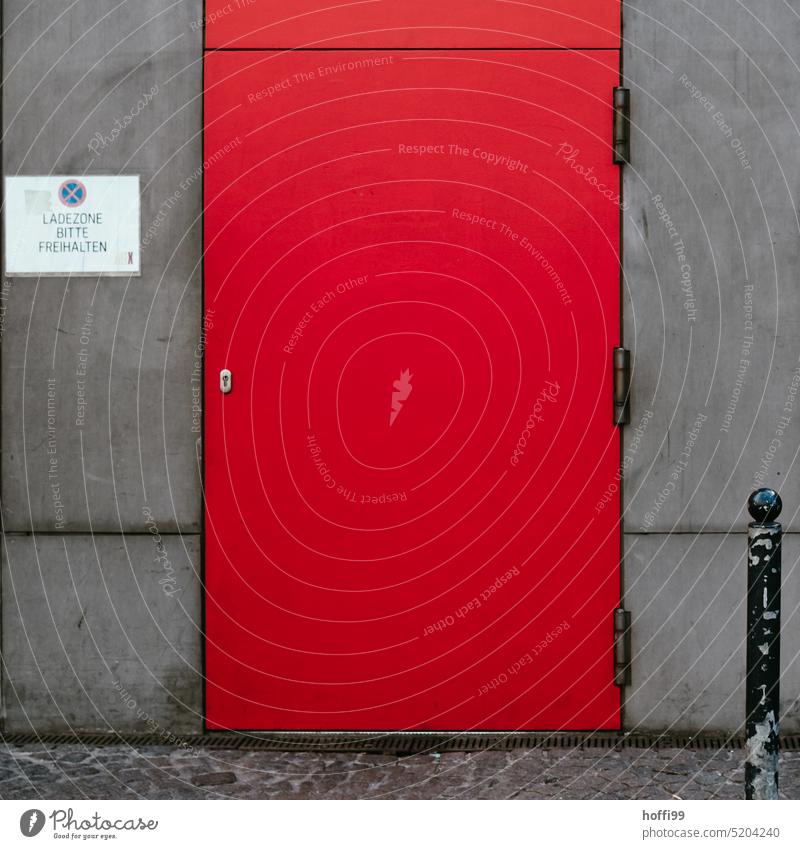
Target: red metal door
(412,275)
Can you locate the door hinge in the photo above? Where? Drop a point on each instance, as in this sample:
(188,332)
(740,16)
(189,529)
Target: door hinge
(622,647)
(622,125)
(622,386)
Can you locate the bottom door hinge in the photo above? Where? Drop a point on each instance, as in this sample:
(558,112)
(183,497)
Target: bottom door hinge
(622,647)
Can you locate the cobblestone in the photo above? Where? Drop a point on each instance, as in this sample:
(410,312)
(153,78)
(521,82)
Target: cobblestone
(120,772)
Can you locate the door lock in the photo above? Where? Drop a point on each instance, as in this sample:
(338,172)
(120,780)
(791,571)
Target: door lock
(225,381)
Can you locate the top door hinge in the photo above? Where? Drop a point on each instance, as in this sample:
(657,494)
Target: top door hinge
(622,125)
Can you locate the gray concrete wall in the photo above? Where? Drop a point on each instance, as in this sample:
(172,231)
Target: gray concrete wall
(80,609)
(686,594)
(712,192)
(101,636)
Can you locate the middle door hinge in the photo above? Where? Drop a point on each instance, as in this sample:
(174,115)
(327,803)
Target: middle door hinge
(622,386)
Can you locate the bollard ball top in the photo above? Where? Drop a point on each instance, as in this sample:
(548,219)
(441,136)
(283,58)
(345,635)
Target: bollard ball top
(765,505)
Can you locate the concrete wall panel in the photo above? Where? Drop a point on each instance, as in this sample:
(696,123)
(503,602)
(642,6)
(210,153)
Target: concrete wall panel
(115,89)
(712,191)
(686,594)
(101,633)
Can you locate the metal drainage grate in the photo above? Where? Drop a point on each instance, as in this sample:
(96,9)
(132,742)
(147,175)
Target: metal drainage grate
(399,743)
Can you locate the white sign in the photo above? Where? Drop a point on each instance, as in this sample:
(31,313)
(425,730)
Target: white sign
(83,226)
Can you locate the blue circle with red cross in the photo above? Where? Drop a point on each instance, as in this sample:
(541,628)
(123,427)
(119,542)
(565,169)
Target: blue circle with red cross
(72,193)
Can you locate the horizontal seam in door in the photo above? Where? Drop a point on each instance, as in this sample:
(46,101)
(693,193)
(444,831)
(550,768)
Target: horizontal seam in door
(334,49)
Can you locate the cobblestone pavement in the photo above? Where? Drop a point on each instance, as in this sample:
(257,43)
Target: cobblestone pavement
(159,772)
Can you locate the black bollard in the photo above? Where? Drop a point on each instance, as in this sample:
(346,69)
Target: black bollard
(763,645)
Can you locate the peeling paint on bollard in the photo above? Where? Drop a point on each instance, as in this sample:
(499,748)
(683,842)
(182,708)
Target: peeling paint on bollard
(762,759)
(763,645)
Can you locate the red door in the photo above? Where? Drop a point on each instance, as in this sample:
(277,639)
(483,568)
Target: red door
(412,275)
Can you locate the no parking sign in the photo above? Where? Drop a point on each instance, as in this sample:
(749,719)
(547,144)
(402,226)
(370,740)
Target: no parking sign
(81,226)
